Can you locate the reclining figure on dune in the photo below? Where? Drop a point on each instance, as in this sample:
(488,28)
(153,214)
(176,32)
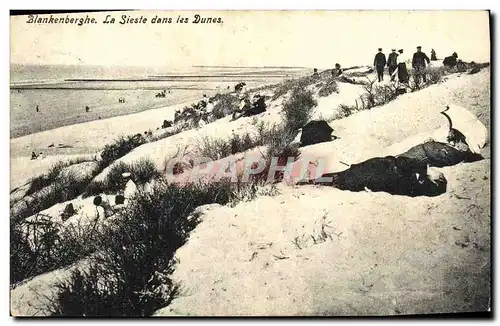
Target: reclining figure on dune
(411,172)
(394,175)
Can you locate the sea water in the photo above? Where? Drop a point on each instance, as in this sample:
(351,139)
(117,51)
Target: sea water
(62,93)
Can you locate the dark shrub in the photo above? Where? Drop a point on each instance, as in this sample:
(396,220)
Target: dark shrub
(298,109)
(121,147)
(226,104)
(328,88)
(50,248)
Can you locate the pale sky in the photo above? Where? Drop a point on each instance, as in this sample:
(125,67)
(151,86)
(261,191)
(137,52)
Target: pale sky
(252,38)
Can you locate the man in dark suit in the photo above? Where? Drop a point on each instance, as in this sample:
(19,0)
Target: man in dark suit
(418,64)
(379,64)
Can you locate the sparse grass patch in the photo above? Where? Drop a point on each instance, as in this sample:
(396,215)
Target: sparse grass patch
(345,111)
(293,84)
(435,74)
(165,134)
(217,148)
(328,88)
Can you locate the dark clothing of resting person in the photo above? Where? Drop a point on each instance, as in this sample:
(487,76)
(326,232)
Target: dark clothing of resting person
(394,175)
(440,154)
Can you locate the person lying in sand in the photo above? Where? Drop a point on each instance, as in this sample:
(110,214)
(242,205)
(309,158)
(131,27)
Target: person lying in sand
(464,141)
(248,109)
(244,105)
(337,74)
(394,175)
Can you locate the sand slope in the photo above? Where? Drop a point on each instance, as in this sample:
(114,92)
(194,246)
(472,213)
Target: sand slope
(317,250)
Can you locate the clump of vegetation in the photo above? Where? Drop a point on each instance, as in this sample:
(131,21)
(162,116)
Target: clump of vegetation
(120,147)
(275,136)
(298,109)
(435,74)
(44,180)
(216,148)
(345,110)
(38,246)
(165,134)
(328,88)
(374,95)
(279,154)
(293,84)
(226,104)
(141,172)
(130,275)
(64,187)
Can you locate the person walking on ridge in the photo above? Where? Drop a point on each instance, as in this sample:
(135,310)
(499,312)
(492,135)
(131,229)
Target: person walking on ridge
(379,63)
(418,65)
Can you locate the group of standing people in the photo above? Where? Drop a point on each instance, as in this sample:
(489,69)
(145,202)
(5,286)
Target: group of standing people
(396,63)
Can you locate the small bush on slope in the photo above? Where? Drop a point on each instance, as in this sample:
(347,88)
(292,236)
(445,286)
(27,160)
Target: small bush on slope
(293,84)
(64,187)
(44,180)
(298,109)
(119,148)
(328,88)
(38,247)
(226,104)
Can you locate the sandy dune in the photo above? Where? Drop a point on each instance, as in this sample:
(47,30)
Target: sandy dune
(320,251)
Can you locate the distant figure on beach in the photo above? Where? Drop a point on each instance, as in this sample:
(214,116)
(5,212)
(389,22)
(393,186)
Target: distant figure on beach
(239,87)
(37,109)
(433,55)
(379,63)
(87,109)
(161,94)
(337,71)
(33,156)
(121,100)
(451,61)
(392,63)
(315,73)
(166,124)
(418,64)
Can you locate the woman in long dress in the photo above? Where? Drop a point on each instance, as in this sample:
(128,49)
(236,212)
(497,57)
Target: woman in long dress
(401,72)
